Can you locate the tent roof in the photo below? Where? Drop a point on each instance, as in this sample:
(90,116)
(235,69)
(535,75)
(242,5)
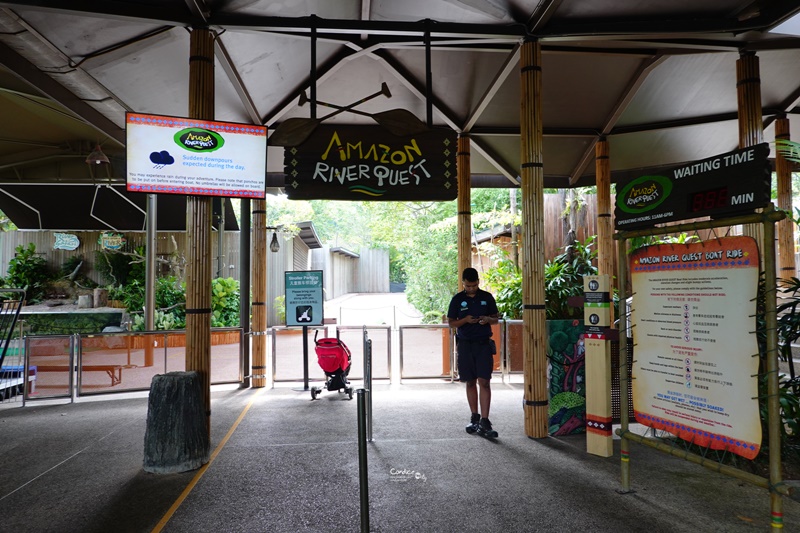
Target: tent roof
(657,78)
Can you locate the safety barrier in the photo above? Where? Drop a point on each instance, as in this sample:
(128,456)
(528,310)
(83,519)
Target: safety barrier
(69,366)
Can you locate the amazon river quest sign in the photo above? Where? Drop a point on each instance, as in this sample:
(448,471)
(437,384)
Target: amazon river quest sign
(369,163)
(728,184)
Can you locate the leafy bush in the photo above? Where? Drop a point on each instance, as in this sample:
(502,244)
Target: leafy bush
(279,304)
(28,271)
(563,278)
(504,280)
(224,302)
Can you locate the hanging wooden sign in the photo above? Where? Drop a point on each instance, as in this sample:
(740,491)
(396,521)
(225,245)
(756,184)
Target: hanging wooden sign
(369,163)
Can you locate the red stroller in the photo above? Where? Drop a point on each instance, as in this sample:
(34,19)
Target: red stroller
(334,359)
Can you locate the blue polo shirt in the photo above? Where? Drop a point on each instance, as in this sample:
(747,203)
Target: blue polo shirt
(482,304)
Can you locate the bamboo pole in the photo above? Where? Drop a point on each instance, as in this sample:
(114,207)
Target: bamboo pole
(464,207)
(773,389)
(624,383)
(605,244)
(198,225)
(787,265)
(259,283)
(532,177)
(751,125)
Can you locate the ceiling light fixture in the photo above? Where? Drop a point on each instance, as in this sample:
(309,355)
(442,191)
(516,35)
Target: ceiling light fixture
(96,156)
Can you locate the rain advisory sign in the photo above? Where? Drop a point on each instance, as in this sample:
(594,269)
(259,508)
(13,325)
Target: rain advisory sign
(172,155)
(369,163)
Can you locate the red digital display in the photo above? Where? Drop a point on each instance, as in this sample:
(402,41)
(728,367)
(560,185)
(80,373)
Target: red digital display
(707,200)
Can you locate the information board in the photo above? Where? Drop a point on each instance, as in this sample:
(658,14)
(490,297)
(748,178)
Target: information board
(174,155)
(732,183)
(694,374)
(304,303)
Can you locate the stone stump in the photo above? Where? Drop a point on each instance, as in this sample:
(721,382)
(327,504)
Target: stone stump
(176,439)
(85,301)
(100,297)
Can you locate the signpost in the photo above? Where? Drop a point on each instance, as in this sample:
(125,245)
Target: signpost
(735,182)
(369,163)
(304,306)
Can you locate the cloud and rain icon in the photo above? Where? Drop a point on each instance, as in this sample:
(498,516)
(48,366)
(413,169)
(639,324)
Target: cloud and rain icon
(161,159)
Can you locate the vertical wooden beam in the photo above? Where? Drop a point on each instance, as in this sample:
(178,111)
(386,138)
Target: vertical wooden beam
(259,282)
(605,243)
(198,224)
(751,125)
(464,210)
(532,176)
(787,265)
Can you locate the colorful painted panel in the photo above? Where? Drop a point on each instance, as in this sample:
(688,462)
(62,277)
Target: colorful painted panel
(566,355)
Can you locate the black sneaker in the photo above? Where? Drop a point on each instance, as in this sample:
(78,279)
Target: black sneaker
(485,429)
(473,423)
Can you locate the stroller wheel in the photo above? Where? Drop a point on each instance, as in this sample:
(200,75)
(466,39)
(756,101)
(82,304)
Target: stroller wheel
(313,393)
(350,392)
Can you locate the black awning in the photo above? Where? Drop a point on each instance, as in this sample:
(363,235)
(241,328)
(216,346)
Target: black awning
(92,207)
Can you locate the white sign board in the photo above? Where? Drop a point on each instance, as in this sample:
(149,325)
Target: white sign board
(173,155)
(304,303)
(695,365)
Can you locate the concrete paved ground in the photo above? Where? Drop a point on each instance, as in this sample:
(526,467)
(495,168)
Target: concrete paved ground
(284,463)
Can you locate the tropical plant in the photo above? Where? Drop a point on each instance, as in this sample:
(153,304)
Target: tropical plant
(224,302)
(28,271)
(279,304)
(504,280)
(563,279)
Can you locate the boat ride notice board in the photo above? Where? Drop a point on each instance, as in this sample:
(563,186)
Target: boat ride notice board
(693,313)
(304,304)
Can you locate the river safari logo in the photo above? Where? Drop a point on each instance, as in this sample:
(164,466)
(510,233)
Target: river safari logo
(644,194)
(199,140)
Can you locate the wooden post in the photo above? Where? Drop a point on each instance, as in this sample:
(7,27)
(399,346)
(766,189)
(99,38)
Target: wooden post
(259,282)
(751,124)
(532,173)
(787,265)
(605,244)
(464,209)
(198,225)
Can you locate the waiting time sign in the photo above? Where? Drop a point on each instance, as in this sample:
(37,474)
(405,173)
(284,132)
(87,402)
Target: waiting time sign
(736,182)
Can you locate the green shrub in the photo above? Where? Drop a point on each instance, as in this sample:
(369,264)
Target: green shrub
(504,280)
(224,302)
(563,278)
(28,271)
(279,304)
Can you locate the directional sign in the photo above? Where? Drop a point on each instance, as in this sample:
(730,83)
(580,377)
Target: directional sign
(304,303)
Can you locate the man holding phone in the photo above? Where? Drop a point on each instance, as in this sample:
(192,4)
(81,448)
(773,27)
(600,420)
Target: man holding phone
(473,311)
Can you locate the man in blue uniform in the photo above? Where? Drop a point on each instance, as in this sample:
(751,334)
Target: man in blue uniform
(473,311)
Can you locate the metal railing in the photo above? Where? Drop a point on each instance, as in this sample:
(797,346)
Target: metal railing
(69,366)
(432,356)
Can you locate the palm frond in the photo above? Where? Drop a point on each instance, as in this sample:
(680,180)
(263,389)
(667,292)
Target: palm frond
(788,149)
